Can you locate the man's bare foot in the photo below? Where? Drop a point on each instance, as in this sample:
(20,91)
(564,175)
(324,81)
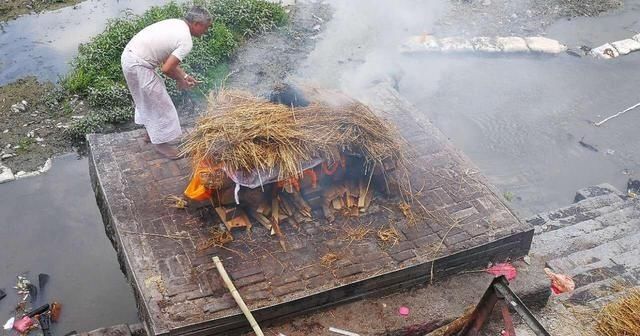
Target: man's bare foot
(168,151)
(146,137)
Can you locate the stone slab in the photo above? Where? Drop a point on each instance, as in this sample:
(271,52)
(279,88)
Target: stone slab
(462,224)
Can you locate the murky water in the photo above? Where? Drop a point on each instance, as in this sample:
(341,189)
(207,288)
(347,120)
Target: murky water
(519,118)
(51,224)
(43,45)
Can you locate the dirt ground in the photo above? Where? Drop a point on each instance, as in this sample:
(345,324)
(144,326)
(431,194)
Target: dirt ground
(10,9)
(32,132)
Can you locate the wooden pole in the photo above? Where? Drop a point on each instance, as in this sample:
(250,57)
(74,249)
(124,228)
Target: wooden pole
(236,296)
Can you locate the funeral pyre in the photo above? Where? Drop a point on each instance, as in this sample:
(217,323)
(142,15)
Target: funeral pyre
(301,154)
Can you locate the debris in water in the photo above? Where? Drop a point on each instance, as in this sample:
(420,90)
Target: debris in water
(56,309)
(9,324)
(43,278)
(23,325)
(587,146)
(633,188)
(33,292)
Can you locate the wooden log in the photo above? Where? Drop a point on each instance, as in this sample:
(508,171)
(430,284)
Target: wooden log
(328,213)
(454,327)
(362,192)
(233,218)
(301,204)
(275,220)
(287,204)
(337,203)
(264,221)
(264,208)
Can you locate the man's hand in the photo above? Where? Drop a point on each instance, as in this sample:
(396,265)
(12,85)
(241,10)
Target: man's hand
(187,82)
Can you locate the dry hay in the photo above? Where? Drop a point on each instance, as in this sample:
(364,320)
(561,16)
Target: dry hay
(407,211)
(620,317)
(356,234)
(177,202)
(328,259)
(218,238)
(249,133)
(388,237)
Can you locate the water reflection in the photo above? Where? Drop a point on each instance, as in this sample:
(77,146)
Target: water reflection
(43,44)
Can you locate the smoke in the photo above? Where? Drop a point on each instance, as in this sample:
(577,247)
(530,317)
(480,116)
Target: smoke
(360,44)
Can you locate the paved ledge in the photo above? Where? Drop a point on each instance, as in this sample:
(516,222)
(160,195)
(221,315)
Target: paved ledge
(178,289)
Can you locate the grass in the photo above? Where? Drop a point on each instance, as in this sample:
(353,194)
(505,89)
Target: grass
(97,77)
(25,144)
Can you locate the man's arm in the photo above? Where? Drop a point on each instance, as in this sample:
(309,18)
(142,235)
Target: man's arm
(171,68)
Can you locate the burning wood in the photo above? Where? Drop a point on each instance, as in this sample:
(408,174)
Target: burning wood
(282,162)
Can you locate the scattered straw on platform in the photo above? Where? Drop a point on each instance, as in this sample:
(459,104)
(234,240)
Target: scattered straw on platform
(248,133)
(620,317)
(388,237)
(328,259)
(217,238)
(356,234)
(176,202)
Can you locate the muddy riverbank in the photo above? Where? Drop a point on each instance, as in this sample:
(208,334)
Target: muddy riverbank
(12,9)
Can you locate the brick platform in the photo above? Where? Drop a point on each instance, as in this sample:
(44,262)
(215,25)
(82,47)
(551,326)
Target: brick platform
(463,225)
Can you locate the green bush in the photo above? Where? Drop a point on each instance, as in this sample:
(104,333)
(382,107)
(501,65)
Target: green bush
(97,76)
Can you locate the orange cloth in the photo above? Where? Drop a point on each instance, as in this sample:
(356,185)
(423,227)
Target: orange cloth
(196,190)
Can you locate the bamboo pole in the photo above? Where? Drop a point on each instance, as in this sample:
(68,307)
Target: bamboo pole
(236,296)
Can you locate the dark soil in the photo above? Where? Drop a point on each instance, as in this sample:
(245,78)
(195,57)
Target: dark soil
(11,9)
(31,135)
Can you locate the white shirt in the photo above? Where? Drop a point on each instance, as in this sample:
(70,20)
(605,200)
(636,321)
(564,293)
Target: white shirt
(156,42)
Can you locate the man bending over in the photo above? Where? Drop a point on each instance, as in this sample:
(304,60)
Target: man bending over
(163,44)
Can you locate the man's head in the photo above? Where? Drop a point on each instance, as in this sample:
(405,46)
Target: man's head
(199,20)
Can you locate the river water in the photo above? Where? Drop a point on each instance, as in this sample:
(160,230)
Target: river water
(51,224)
(43,44)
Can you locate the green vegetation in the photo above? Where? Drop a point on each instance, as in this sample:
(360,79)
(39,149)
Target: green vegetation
(25,145)
(508,196)
(96,74)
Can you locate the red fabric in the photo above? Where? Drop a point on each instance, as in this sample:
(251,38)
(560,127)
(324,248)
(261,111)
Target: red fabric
(505,269)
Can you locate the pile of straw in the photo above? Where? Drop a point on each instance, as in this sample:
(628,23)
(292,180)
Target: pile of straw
(621,317)
(248,133)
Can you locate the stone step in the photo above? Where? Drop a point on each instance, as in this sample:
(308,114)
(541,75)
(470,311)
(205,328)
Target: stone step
(586,209)
(602,291)
(586,235)
(594,191)
(622,251)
